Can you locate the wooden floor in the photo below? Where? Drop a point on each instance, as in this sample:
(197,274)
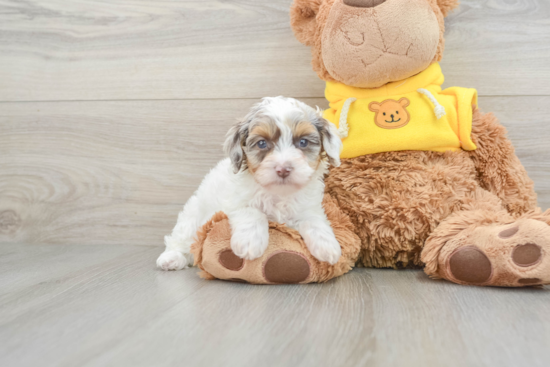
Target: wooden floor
(111,112)
(103,305)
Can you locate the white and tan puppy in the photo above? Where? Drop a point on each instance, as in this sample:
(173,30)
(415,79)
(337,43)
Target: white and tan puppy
(278,156)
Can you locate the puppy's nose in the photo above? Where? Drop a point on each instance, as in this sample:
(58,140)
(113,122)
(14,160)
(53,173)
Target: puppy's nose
(364,3)
(283,171)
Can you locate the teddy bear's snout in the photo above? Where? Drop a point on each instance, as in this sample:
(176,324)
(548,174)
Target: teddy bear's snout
(364,3)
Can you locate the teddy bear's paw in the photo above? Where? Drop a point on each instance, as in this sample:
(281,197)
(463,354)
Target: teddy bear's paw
(174,260)
(280,267)
(512,255)
(286,267)
(285,260)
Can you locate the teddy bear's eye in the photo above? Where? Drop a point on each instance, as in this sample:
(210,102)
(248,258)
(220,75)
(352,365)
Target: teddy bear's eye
(397,112)
(384,114)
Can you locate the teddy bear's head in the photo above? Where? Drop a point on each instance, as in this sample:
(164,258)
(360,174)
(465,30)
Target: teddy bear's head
(369,43)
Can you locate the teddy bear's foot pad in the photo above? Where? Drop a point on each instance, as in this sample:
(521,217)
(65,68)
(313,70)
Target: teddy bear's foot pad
(470,265)
(527,255)
(286,267)
(281,267)
(510,255)
(230,261)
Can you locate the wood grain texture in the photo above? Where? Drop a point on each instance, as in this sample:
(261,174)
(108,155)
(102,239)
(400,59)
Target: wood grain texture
(74,305)
(139,49)
(119,172)
(500,47)
(103,170)
(140,96)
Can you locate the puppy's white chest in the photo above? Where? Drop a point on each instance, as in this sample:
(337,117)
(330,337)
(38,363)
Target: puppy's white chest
(277,209)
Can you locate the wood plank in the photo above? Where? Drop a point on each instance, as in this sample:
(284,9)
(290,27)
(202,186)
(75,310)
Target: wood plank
(105,172)
(529,132)
(138,49)
(107,305)
(490,46)
(422,322)
(119,172)
(76,301)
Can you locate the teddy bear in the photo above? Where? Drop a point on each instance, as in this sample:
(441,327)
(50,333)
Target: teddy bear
(426,181)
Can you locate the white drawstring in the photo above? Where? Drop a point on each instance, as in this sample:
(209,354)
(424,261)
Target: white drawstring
(439,109)
(343,127)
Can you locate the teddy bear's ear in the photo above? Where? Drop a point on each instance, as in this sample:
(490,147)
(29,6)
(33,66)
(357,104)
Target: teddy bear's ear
(374,106)
(303,20)
(447,5)
(404,102)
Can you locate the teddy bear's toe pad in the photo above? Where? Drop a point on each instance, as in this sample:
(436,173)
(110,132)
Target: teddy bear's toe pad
(470,265)
(509,232)
(286,267)
(230,261)
(530,281)
(527,255)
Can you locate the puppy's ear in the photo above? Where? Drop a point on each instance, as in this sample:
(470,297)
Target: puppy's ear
(303,20)
(233,146)
(447,6)
(332,144)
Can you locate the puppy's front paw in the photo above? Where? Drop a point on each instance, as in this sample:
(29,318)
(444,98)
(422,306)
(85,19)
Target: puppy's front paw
(323,246)
(172,260)
(250,243)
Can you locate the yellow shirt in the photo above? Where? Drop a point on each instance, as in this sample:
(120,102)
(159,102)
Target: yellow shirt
(398,116)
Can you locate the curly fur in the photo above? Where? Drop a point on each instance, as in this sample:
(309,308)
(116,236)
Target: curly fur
(498,168)
(396,200)
(282,181)
(308,19)
(447,6)
(415,208)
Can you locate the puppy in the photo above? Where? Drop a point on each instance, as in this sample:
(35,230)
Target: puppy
(278,156)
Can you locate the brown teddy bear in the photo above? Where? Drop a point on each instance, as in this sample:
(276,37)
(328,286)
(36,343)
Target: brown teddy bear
(426,179)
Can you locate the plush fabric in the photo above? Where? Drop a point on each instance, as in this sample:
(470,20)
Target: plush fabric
(466,215)
(447,6)
(287,259)
(490,248)
(411,208)
(408,33)
(379,40)
(416,125)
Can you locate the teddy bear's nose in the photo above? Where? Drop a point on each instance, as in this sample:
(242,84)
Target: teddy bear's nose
(363,3)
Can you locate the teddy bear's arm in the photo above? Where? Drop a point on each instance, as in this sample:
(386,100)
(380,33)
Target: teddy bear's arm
(498,168)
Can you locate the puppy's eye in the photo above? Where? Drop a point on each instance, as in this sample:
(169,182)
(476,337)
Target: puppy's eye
(262,144)
(303,143)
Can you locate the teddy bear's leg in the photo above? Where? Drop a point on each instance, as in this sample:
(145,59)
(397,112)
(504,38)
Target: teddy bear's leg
(483,246)
(499,170)
(286,259)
